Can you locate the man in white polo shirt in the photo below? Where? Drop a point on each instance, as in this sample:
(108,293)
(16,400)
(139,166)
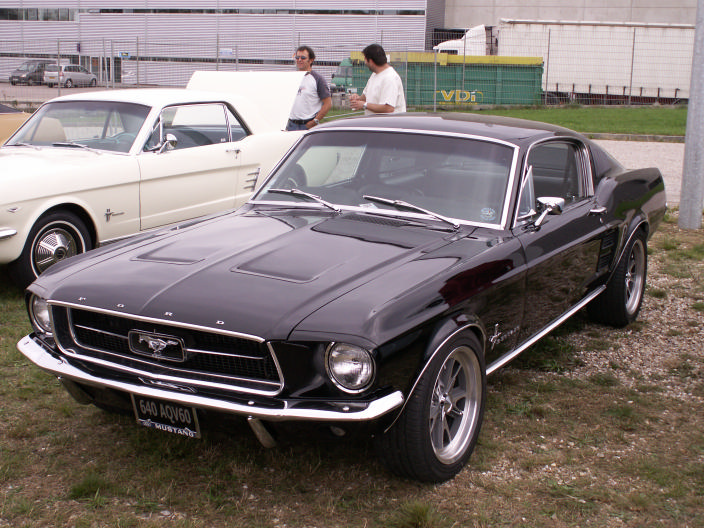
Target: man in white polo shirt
(383,93)
(313,100)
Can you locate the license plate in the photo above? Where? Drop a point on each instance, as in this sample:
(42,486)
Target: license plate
(166,416)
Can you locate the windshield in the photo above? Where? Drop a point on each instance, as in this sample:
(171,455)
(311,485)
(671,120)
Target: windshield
(102,125)
(458,178)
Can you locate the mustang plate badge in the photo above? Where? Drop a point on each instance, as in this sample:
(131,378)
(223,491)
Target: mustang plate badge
(157,346)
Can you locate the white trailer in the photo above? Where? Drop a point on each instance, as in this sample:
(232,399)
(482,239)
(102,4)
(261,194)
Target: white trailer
(605,61)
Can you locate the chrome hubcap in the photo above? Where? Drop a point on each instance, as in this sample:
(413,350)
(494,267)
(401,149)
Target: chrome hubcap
(634,276)
(454,406)
(54,245)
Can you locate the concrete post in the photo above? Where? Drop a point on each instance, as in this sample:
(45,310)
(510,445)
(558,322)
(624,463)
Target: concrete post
(692,198)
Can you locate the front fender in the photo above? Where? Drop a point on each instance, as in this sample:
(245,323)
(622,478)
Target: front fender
(442,332)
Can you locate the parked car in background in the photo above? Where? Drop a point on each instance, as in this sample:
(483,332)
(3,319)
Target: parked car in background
(68,75)
(94,167)
(30,72)
(386,267)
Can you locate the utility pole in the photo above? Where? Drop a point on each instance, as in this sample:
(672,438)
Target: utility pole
(692,196)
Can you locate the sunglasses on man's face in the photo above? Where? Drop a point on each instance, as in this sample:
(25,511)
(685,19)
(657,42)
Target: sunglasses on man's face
(300,57)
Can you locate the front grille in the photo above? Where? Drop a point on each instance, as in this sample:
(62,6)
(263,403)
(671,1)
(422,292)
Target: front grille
(208,358)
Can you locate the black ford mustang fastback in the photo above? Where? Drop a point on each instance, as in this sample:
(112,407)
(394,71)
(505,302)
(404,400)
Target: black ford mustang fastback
(379,274)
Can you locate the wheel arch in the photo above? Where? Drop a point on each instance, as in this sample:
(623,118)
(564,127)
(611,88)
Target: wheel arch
(638,225)
(82,215)
(443,332)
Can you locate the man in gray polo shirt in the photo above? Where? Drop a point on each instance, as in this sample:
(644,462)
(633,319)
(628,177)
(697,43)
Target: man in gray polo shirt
(313,100)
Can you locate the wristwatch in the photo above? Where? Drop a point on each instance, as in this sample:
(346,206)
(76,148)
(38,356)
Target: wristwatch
(364,106)
(316,120)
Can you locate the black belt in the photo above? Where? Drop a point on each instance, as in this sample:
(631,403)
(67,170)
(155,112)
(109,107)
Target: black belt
(300,121)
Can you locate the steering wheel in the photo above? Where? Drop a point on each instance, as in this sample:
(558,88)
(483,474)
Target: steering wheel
(123,140)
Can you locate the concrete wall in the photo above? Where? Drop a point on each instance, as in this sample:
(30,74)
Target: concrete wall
(468,13)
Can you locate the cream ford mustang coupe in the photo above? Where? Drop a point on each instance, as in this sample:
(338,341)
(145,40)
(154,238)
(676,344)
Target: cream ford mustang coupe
(90,168)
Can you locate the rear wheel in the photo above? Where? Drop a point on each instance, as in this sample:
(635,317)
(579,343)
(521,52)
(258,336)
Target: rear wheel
(619,304)
(438,429)
(55,237)
(93,82)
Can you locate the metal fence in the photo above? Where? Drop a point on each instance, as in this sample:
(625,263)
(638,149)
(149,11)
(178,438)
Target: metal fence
(517,62)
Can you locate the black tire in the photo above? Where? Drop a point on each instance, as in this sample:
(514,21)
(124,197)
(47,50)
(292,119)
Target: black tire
(69,83)
(30,82)
(50,85)
(55,237)
(93,82)
(618,305)
(436,433)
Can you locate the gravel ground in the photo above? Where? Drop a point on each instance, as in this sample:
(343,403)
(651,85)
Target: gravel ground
(668,157)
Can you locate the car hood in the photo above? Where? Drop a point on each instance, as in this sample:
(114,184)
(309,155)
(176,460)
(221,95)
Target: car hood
(257,273)
(271,93)
(29,173)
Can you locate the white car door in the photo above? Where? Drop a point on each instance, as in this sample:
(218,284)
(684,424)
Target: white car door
(200,173)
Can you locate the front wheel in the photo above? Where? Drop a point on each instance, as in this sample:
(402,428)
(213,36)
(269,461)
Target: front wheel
(618,305)
(55,237)
(93,82)
(69,83)
(438,429)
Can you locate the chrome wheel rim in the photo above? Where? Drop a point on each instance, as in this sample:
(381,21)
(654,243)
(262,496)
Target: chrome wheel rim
(635,276)
(53,245)
(455,405)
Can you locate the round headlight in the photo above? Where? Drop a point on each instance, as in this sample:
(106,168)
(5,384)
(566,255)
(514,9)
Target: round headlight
(350,367)
(39,312)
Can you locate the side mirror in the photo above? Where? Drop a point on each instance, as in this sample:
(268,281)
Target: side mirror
(169,143)
(549,205)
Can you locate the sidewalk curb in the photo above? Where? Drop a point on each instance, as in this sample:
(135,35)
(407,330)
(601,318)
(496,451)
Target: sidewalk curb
(635,137)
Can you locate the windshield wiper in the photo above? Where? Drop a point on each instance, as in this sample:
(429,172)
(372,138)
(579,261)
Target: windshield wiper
(35,147)
(76,145)
(400,204)
(298,192)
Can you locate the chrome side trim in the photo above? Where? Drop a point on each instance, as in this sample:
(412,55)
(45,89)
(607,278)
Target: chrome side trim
(503,360)
(374,409)
(7,233)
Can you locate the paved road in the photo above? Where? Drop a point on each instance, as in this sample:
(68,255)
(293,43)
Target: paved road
(668,157)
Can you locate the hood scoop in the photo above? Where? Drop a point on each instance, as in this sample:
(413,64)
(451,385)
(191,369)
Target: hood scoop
(300,263)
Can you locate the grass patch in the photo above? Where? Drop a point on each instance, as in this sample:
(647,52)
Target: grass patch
(416,515)
(644,120)
(550,354)
(668,121)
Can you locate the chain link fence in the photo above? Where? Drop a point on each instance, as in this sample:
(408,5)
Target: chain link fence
(517,62)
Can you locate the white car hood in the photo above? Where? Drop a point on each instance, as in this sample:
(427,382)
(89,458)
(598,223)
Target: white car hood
(29,173)
(271,93)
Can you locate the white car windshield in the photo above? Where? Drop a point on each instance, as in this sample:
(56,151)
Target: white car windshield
(463,179)
(101,125)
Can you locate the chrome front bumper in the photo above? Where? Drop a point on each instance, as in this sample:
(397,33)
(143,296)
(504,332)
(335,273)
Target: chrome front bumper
(343,413)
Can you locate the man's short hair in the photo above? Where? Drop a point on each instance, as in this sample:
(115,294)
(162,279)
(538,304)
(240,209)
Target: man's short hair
(375,53)
(311,53)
